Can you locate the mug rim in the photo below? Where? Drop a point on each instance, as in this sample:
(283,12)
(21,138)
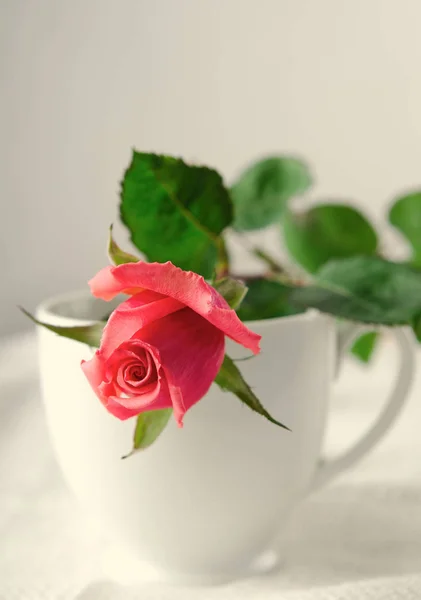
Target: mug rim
(47,311)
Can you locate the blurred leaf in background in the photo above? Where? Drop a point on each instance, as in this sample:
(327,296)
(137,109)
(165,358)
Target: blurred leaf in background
(266,299)
(364,346)
(405,215)
(417,327)
(366,289)
(262,190)
(326,232)
(175,211)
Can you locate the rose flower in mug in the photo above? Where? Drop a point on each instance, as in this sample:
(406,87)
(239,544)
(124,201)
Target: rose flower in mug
(163,347)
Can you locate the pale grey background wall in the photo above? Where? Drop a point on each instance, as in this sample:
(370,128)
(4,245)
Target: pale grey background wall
(217,81)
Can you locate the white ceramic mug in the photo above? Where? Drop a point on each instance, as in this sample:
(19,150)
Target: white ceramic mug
(208,502)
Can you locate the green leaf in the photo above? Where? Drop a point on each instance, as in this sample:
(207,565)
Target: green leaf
(87,334)
(266,299)
(262,190)
(405,215)
(366,289)
(230,379)
(149,426)
(175,211)
(232,290)
(364,346)
(326,232)
(116,254)
(273,264)
(416,326)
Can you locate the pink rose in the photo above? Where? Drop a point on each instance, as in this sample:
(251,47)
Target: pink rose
(164,346)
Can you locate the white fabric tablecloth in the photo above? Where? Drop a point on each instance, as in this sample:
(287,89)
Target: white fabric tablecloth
(357,539)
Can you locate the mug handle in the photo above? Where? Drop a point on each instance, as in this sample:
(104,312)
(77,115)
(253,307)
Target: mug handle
(329,469)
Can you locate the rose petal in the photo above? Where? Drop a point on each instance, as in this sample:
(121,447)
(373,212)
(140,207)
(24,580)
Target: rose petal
(185,286)
(120,407)
(119,411)
(132,315)
(94,370)
(191,352)
(103,284)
